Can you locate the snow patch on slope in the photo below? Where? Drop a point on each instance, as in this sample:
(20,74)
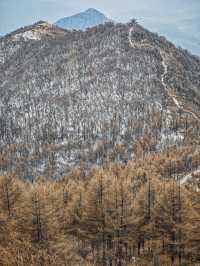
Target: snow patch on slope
(28,35)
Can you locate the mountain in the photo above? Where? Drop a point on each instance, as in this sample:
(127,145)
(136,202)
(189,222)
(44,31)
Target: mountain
(112,92)
(84,20)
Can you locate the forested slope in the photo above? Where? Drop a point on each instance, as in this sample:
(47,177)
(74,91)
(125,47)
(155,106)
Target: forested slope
(99,148)
(68,97)
(134,215)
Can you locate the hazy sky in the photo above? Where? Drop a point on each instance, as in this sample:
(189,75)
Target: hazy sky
(17,13)
(178,20)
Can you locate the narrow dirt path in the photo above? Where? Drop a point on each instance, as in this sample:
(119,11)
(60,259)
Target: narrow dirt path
(165,67)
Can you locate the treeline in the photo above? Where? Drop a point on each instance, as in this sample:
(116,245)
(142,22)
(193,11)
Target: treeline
(135,214)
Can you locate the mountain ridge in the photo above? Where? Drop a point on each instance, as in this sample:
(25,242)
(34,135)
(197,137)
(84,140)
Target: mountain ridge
(40,28)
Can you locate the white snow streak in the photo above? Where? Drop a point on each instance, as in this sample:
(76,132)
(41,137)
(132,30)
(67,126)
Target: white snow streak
(28,35)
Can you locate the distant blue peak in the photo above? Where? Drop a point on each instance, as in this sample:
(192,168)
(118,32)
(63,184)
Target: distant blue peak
(81,21)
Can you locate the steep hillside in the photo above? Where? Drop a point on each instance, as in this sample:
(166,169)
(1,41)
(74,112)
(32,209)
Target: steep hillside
(111,92)
(88,19)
